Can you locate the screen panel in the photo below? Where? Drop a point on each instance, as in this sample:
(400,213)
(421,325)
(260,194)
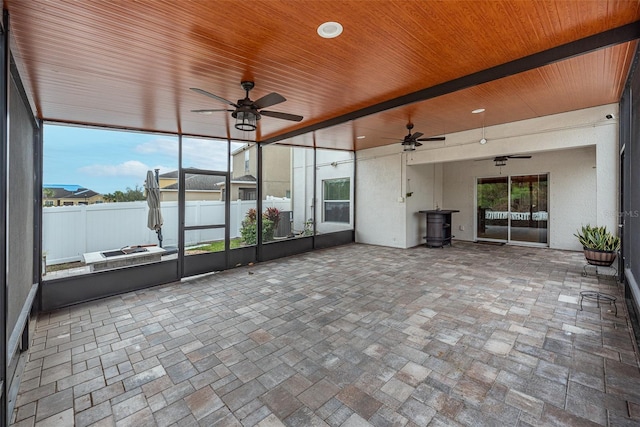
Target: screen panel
(20,233)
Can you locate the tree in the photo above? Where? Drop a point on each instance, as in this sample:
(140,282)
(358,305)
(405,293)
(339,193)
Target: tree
(130,195)
(48,193)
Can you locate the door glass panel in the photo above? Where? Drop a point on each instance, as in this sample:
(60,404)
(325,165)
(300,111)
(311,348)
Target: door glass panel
(493,208)
(204,208)
(204,154)
(529,212)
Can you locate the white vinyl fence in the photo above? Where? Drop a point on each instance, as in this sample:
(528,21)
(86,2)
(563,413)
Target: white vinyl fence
(70,231)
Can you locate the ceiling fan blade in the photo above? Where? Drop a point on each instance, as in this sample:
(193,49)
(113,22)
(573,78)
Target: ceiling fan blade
(519,157)
(284,116)
(418,144)
(433,138)
(417,135)
(269,100)
(209,111)
(210,95)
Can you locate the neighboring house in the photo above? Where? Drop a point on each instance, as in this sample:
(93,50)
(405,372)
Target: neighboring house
(197,187)
(276,164)
(242,188)
(166,179)
(69,195)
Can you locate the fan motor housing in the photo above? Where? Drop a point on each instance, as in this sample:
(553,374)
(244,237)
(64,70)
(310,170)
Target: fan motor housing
(247,85)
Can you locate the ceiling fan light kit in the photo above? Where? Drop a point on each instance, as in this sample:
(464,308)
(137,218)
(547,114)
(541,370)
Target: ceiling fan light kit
(502,160)
(410,141)
(411,146)
(245,121)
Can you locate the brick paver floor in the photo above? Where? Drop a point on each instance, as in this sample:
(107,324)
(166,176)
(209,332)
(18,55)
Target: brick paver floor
(475,335)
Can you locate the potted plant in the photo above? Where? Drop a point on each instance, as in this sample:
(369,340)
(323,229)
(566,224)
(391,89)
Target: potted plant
(599,245)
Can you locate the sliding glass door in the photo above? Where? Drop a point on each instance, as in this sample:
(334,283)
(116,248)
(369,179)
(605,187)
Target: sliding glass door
(513,209)
(529,213)
(492,200)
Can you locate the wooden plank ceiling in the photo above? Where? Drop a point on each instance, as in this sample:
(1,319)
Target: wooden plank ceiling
(130,64)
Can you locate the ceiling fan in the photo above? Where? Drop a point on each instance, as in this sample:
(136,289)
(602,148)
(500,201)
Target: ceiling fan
(248,112)
(411,141)
(502,160)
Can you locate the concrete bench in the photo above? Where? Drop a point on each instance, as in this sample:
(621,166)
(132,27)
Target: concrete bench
(98,261)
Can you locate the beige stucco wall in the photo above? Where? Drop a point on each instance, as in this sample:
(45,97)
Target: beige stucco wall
(276,164)
(238,167)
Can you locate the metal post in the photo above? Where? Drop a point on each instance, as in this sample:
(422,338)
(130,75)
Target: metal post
(181,213)
(315,190)
(259,179)
(4,176)
(227,209)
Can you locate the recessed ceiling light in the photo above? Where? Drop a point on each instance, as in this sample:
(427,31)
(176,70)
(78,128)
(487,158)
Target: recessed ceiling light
(360,137)
(329,30)
(478,110)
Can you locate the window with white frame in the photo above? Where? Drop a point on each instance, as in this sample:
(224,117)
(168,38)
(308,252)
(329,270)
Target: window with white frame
(336,199)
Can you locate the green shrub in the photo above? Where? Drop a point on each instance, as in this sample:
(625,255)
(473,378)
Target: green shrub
(250,226)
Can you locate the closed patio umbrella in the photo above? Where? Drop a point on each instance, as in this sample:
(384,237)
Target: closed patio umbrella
(154,222)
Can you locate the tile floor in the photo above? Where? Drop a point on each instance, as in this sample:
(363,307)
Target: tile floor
(358,335)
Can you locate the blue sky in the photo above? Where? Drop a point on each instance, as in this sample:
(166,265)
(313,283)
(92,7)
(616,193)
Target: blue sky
(107,160)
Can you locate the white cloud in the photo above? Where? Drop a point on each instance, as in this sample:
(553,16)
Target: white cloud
(129,168)
(204,154)
(196,152)
(168,147)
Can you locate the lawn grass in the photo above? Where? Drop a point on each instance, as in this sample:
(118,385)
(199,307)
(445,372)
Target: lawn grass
(219,246)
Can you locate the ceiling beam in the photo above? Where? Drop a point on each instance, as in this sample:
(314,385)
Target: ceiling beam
(623,34)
